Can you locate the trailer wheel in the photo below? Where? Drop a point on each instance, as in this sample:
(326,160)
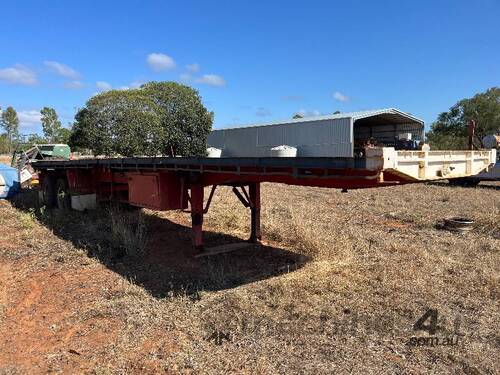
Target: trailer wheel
(464,182)
(63,198)
(48,191)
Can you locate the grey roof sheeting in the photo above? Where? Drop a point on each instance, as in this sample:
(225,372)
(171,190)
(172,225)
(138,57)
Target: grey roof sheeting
(393,113)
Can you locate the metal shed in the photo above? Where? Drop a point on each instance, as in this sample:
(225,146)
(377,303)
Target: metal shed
(332,135)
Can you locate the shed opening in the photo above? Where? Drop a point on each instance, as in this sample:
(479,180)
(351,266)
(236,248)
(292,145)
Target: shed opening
(387,130)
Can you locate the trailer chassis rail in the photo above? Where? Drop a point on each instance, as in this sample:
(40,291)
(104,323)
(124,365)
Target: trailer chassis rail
(167,183)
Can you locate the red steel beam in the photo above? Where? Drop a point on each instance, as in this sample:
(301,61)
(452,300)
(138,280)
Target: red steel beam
(255,235)
(167,189)
(197,215)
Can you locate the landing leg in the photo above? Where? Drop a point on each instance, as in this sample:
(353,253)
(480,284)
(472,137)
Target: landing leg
(254,192)
(197,215)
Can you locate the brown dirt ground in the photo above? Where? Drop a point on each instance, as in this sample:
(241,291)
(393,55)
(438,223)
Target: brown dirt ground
(336,286)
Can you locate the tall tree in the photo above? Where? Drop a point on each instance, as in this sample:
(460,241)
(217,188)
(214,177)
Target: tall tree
(124,122)
(4,144)
(63,135)
(160,118)
(32,139)
(185,121)
(449,131)
(10,123)
(80,137)
(50,123)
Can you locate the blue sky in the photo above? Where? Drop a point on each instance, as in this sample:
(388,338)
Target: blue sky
(252,61)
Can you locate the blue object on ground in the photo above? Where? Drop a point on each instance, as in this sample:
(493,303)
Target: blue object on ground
(9,181)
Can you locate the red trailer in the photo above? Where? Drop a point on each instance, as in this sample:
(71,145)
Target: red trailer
(164,183)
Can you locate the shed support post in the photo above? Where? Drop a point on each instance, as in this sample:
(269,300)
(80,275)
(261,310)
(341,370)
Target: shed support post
(197,215)
(254,192)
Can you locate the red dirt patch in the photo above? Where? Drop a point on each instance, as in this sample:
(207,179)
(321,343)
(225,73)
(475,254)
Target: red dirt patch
(40,328)
(395,224)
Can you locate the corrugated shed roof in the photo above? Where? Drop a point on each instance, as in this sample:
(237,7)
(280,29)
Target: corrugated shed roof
(354,115)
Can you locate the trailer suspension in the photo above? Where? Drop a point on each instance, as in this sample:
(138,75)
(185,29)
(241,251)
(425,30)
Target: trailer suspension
(251,200)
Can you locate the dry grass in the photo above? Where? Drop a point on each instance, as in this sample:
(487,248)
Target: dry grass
(5,159)
(336,287)
(128,231)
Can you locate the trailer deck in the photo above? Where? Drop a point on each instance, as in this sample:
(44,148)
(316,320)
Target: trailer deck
(170,183)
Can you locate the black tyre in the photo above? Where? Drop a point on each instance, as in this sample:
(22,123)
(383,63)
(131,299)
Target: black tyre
(63,198)
(48,191)
(464,182)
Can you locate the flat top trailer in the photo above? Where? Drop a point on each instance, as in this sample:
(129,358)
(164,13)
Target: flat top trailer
(171,183)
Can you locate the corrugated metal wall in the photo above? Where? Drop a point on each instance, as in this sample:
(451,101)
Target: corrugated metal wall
(311,138)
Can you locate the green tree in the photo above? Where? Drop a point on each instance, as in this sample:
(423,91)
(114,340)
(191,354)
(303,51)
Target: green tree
(33,139)
(124,122)
(449,131)
(50,123)
(185,121)
(63,135)
(4,144)
(160,118)
(297,115)
(79,138)
(10,123)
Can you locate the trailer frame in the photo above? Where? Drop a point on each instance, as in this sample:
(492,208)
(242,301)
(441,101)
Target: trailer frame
(176,183)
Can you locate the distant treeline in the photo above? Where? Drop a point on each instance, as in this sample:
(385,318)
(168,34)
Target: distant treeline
(53,131)
(449,131)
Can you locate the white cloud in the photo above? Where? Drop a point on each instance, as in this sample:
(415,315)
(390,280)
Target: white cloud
(135,84)
(18,74)
(131,85)
(29,118)
(305,113)
(62,70)
(160,61)
(103,86)
(193,68)
(262,112)
(73,84)
(340,97)
(186,77)
(211,79)
(106,86)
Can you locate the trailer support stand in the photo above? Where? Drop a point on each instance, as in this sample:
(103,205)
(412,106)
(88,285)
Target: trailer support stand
(254,191)
(197,215)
